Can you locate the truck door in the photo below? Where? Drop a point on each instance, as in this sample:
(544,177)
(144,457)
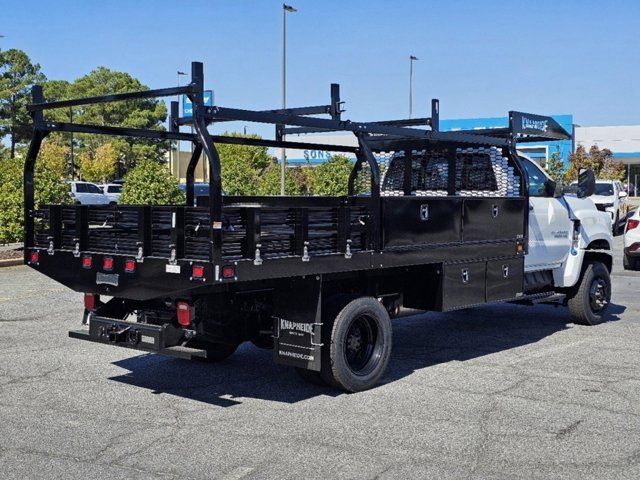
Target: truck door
(550,227)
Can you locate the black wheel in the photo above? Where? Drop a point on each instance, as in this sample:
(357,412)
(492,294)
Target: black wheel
(616,224)
(590,299)
(357,346)
(216,352)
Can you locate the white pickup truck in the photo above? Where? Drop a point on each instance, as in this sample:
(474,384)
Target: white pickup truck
(570,245)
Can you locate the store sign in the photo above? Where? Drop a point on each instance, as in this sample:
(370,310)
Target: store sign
(187,105)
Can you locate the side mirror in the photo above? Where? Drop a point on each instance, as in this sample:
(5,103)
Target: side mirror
(586,183)
(622,194)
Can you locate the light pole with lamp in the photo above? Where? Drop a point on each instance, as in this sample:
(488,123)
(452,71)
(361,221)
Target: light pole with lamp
(283,161)
(411,60)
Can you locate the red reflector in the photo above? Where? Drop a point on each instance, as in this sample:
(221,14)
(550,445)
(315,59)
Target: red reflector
(198,271)
(634,247)
(86,261)
(228,272)
(130,266)
(108,263)
(183,311)
(90,301)
(35,256)
(632,223)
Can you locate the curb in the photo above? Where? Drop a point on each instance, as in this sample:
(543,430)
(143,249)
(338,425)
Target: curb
(11,262)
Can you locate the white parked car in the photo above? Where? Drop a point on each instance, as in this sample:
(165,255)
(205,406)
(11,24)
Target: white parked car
(85,193)
(610,197)
(112,191)
(631,259)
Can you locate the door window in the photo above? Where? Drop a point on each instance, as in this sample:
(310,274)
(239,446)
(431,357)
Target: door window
(537,179)
(81,187)
(92,188)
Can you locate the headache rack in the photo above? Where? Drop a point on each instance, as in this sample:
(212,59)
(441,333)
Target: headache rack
(231,229)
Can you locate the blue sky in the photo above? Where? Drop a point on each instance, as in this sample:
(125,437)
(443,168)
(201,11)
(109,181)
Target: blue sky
(481,58)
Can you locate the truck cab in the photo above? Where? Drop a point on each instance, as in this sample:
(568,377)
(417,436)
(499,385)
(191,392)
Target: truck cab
(565,233)
(552,221)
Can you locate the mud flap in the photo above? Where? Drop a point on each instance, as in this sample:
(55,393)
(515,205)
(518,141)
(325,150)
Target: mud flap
(297,323)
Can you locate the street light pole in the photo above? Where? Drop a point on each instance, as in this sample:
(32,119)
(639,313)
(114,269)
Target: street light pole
(411,59)
(283,161)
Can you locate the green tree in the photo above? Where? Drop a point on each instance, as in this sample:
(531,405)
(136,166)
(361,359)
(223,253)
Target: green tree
(257,157)
(242,165)
(50,187)
(331,177)
(555,166)
(139,113)
(99,165)
(270,181)
(17,75)
(151,183)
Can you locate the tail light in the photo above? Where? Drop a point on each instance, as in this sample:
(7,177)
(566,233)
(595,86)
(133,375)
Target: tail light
(34,257)
(130,265)
(87,261)
(90,301)
(632,223)
(107,263)
(197,271)
(183,311)
(228,271)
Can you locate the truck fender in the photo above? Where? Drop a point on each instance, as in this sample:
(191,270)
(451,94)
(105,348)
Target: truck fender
(568,274)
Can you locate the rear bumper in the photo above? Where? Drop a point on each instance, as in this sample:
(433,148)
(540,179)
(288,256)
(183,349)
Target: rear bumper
(163,339)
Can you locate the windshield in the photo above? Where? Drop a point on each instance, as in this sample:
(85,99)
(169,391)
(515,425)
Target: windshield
(114,188)
(605,189)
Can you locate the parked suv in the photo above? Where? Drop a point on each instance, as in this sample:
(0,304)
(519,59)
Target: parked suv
(86,193)
(611,197)
(112,192)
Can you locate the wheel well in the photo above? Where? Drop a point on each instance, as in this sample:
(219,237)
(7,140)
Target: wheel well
(599,245)
(604,258)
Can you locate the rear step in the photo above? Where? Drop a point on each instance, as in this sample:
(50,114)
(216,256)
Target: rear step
(163,339)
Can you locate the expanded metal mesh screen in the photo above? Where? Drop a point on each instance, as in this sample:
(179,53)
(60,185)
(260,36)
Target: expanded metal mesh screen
(483,172)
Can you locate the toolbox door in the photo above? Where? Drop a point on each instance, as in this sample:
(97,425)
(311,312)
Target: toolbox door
(505,279)
(413,221)
(462,285)
(297,323)
(493,219)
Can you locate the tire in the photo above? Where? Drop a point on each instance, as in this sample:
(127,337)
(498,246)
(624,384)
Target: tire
(616,224)
(590,299)
(357,345)
(216,352)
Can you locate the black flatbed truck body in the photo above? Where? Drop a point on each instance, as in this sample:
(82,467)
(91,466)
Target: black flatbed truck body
(444,225)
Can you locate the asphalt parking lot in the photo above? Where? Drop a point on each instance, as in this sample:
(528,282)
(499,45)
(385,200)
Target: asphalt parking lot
(503,392)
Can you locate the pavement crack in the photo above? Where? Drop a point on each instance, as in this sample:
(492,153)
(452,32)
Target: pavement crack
(568,430)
